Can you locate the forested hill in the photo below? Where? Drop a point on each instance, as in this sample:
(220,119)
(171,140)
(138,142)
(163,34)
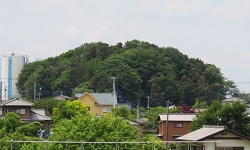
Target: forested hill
(141,69)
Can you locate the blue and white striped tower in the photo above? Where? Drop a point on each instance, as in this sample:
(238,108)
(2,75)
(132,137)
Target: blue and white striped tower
(9,70)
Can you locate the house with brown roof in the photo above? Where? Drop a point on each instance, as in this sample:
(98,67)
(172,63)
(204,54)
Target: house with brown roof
(216,138)
(24,110)
(172,126)
(98,103)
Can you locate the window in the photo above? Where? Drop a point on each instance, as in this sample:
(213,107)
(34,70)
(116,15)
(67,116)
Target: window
(18,111)
(22,111)
(178,125)
(106,109)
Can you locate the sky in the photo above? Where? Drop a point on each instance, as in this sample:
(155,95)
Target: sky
(217,32)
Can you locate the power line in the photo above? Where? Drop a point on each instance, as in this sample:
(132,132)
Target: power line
(241,82)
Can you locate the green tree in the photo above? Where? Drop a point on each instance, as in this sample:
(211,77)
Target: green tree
(152,115)
(209,117)
(152,139)
(84,87)
(10,122)
(141,69)
(30,129)
(200,105)
(68,110)
(47,104)
(12,128)
(63,82)
(33,146)
(94,129)
(233,116)
(122,111)
(245,96)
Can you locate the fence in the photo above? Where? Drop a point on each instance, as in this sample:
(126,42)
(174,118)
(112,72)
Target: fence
(116,145)
(82,145)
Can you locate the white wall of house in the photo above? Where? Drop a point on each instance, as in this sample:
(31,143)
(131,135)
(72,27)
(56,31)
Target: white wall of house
(229,143)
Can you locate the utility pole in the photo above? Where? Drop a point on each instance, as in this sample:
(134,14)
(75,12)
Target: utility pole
(114,93)
(148,102)
(40,93)
(167,123)
(35,86)
(138,111)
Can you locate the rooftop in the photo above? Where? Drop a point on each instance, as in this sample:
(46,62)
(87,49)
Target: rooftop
(201,133)
(17,102)
(102,98)
(177,117)
(232,99)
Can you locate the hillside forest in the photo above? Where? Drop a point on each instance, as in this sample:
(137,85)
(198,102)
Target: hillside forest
(141,69)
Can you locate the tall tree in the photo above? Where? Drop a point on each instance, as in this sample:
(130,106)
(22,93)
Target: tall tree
(233,116)
(142,69)
(94,129)
(68,110)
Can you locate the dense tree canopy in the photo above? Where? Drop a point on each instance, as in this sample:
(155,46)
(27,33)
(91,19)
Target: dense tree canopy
(68,110)
(142,69)
(93,129)
(11,127)
(47,104)
(233,116)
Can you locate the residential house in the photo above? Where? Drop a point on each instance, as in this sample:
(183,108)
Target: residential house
(24,110)
(216,138)
(233,99)
(248,108)
(171,126)
(61,97)
(98,103)
(139,126)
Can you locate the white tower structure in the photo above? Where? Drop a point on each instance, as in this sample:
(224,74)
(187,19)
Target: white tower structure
(9,70)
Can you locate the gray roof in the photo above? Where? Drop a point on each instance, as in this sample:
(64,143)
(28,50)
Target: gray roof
(39,111)
(177,117)
(201,133)
(102,98)
(39,117)
(17,102)
(208,131)
(231,99)
(78,95)
(61,97)
(135,123)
